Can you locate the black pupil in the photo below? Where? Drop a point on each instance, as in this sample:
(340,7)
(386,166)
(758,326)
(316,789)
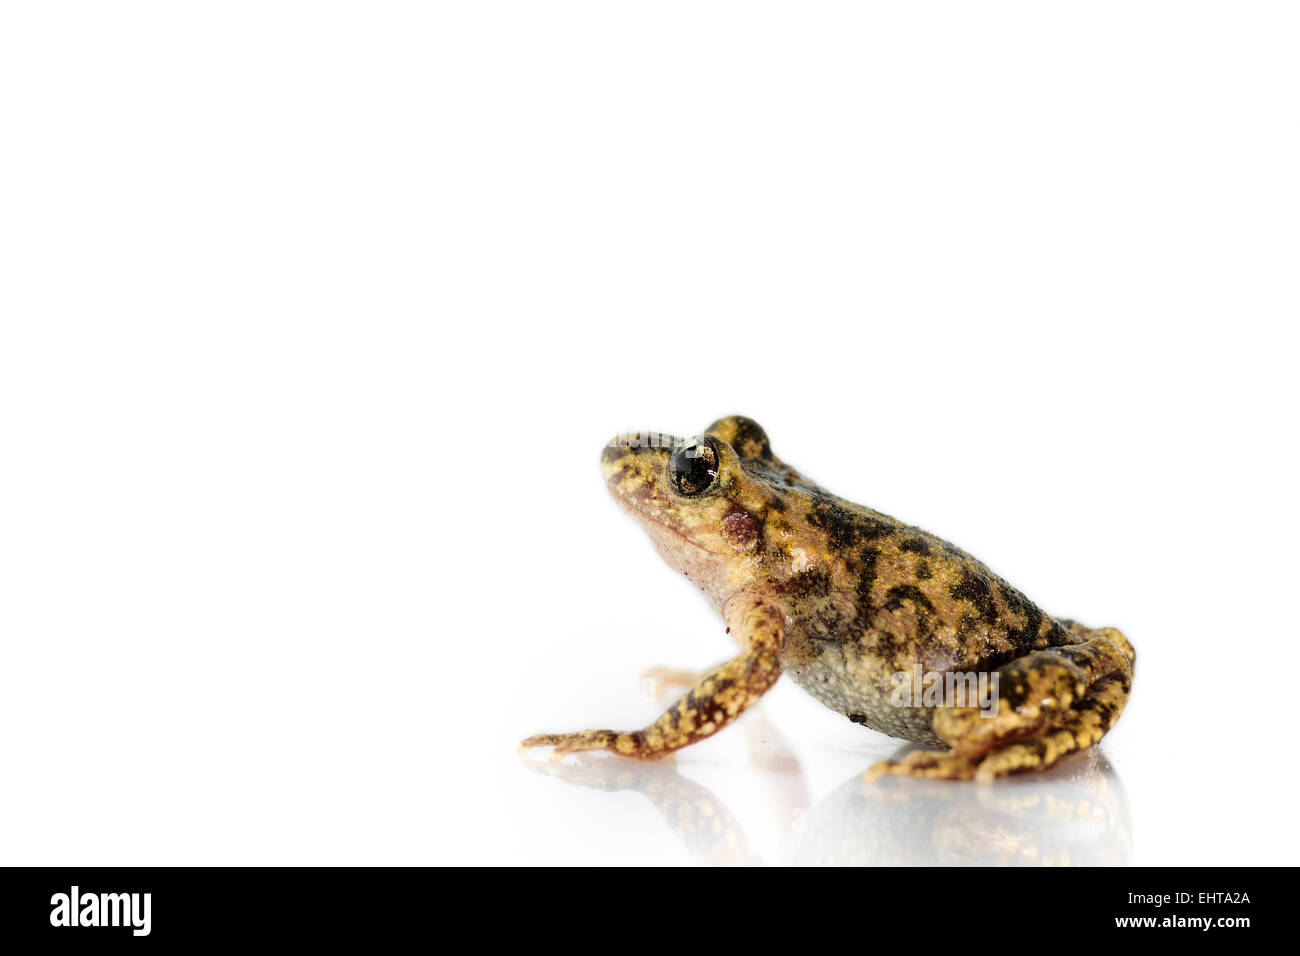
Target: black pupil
(693,467)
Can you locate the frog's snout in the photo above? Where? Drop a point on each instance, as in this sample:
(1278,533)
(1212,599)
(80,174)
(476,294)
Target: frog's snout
(635,452)
(610,456)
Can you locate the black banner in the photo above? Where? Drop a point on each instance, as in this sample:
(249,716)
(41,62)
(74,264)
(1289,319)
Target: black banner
(136,906)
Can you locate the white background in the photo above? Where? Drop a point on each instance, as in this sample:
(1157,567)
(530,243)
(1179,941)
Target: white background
(315,318)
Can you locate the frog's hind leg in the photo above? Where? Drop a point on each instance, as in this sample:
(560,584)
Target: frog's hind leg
(1084,725)
(1050,703)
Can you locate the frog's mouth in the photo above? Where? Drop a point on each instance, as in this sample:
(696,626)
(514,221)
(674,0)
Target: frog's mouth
(667,539)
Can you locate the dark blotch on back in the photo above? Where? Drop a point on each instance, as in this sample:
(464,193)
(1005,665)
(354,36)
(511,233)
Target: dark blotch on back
(865,571)
(896,596)
(975,589)
(1027,635)
(843,529)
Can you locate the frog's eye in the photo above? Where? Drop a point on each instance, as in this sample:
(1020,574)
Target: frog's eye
(693,468)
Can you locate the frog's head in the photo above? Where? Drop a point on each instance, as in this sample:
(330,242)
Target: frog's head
(703,500)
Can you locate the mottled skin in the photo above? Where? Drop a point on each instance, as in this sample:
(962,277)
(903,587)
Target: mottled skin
(841,598)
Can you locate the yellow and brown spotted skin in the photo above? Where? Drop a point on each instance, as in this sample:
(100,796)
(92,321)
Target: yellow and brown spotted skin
(841,598)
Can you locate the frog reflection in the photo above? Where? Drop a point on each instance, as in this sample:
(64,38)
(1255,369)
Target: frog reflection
(1074,814)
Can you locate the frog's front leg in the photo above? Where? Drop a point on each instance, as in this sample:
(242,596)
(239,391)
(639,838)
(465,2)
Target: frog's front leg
(1051,703)
(718,698)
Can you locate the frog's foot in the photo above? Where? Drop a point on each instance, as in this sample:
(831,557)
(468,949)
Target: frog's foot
(931,764)
(626,744)
(1038,753)
(1033,753)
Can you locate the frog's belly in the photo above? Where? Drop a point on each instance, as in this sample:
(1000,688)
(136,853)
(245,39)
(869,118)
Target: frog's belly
(861,690)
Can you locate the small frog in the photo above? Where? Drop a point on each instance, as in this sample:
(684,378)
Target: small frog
(852,603)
